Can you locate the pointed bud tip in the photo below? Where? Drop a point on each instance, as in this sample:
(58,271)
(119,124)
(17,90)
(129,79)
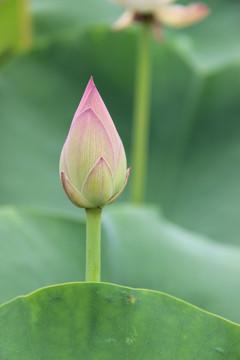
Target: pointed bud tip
(90,86)
(91,81)
(87,111)
(128,173)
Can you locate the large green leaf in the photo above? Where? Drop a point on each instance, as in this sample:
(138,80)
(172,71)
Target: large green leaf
(139,249)
(105,322)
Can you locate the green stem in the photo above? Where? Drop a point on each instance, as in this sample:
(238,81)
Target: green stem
(141,115)
(93,246)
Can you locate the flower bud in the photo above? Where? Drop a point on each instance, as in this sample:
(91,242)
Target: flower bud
(93,162)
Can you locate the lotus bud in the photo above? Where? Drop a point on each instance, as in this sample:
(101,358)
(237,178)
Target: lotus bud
(93,164)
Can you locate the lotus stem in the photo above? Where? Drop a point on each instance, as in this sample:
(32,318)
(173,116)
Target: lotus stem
(141,115)
(93,244)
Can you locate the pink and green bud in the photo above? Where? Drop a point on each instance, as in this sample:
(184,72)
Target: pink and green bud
(93,163)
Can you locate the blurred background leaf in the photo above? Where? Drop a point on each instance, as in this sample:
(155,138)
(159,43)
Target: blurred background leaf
(139,249)
(15,27)
(194,171)
(58,16)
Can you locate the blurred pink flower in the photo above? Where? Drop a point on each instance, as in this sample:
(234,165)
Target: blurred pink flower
(163,11)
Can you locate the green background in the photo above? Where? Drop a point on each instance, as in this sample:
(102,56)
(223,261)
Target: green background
(186,240)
